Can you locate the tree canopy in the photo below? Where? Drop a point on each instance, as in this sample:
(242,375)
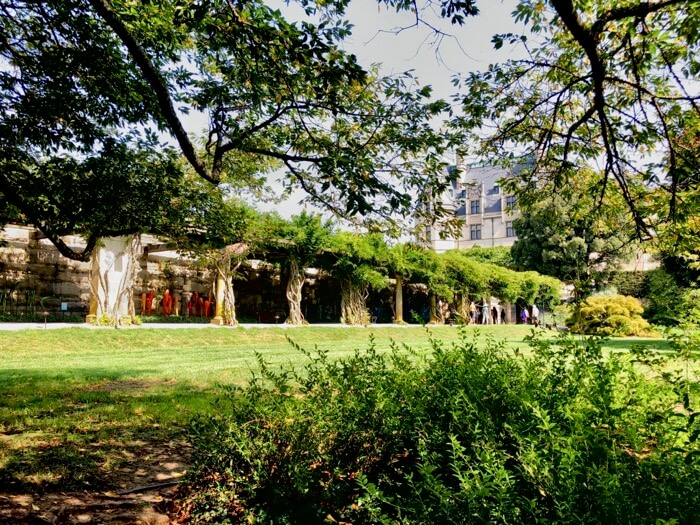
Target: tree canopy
(567,233)
(94,83)
(608,83)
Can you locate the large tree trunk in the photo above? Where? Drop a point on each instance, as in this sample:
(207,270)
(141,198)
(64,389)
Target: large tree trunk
(352,303)
(463,308)
(225,308)
(398,303)
(437,315)
(295,284)
(112,278)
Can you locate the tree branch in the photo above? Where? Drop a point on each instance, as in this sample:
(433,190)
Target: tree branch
(158,85)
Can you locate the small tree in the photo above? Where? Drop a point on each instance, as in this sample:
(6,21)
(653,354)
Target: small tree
(301,243)
(224,231)
(360,262)
(568,234)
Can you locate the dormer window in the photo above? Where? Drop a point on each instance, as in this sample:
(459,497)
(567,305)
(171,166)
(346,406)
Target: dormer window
(475,207)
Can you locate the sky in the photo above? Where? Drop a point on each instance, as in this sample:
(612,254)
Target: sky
(434,59)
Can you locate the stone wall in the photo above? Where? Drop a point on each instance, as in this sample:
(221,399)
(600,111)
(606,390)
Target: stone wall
(35,277)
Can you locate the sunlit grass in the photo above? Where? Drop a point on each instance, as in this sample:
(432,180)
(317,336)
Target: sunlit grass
(76,402)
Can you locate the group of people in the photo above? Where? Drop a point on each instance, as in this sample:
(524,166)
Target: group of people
(485,314)
(530,317)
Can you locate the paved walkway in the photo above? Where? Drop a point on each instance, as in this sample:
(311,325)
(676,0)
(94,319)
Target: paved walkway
(54,326)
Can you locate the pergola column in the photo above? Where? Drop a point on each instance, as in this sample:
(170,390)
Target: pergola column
(398,306)
(219,306)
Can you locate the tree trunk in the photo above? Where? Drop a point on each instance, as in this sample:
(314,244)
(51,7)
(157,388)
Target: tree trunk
(398,304)
(436,314)
(463,308)
(225,273)
(295,285)
(352,303)
(112,278)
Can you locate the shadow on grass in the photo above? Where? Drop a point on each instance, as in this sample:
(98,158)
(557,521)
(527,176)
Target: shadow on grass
(87,430)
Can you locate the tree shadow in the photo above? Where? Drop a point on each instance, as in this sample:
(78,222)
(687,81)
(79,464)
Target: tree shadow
(92,429)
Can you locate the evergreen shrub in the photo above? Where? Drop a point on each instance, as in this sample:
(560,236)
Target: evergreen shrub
(617,315)
(460,435)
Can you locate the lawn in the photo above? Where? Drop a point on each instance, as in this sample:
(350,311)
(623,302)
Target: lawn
(78,404)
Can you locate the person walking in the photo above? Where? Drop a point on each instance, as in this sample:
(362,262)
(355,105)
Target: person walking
(524,315)
(535,315)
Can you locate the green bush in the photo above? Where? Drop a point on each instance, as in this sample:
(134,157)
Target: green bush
(632,283)
(39,318)
(462,435)
(663,298)
(617,315)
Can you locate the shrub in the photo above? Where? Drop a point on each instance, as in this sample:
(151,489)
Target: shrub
(39,318)
(462,435)
(663,298)
(617,315)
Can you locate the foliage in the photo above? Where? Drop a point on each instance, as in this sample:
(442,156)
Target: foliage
(630,283)
(300,243)
(480,280)
(609,83)
(90,83)
(663,297)
(39,318)
(618,315)
(568,234)
(360,258)
(359,262)
(499,255)
(667,297)
(458,436)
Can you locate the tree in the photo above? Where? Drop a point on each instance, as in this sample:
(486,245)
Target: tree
(567,234)
(606,81)
(302,242)
(90,82)
(466,278)
(359,262)
(405,261)
(221,233)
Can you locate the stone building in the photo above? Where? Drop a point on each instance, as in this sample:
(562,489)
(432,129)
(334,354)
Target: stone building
(487,212)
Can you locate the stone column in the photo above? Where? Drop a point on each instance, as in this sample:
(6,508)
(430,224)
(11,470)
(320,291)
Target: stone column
(398,303)
(186,296)
(219,312)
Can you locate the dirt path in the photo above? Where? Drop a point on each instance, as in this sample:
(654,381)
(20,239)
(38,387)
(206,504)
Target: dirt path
(138,493)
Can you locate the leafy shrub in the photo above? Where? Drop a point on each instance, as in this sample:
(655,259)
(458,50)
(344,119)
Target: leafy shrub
(632,283)
(461,435)
(617,315)
(663,298)
(39,318)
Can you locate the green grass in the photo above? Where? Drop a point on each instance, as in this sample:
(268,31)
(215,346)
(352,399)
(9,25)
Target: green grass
(203,356)
(75,402)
